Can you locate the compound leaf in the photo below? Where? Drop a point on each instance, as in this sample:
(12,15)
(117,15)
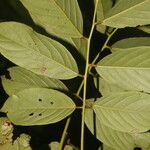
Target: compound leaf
(36,52)
(38,106)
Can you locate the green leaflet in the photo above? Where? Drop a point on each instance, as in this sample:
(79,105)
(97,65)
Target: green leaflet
(38,106)
(130,43)
(105,147)
(126,111)
(62,17)
(128,13)
(23,79)
(102,9)
(128,69)
(81,45)
(146,148)
(113,139)
(145,28)
(35,52)
(142,139)
(107,88)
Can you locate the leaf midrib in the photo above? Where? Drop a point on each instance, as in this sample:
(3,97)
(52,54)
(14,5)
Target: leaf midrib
(118,48)
(125,110)
(125,67)
(44,108)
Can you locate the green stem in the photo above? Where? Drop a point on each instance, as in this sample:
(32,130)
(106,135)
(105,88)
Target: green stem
(95,59)
(85,77)
(79,89)
(64,134)
(104,46)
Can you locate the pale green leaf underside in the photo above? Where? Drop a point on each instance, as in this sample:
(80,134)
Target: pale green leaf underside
(145,28)
(62,17)
(130,43)
(113,139)
(22,79)
(142,140)
(128,13)
(102,9)
(146,148)
(129,69)
(36,52)
(126,111)
(107,88)
(81,45)
(38,106)
(105,147)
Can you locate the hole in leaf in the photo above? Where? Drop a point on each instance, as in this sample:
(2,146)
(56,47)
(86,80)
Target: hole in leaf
(40,114)
(40,100)
(51,103)
(31,114)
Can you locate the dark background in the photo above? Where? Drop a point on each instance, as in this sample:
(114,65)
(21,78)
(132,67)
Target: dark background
(12,10)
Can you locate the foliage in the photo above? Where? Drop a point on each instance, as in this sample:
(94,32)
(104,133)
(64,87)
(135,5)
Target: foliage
(52,51)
